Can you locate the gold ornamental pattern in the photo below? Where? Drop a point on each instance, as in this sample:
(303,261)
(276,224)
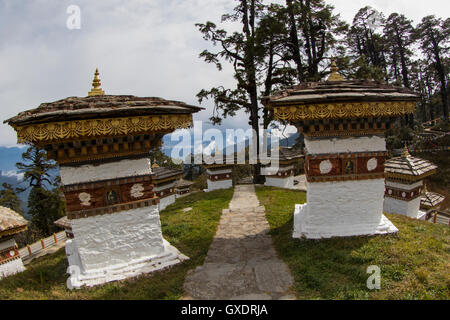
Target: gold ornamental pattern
(68,130)
(343,110)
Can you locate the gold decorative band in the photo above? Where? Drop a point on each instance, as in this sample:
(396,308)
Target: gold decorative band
(343,110)
(67,130)
(409,178)
(13,231)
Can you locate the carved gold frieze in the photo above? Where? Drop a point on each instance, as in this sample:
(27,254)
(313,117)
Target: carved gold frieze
(343,110)
(69,130)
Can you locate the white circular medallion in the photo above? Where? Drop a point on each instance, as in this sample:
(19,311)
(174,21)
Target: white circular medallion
(325,167)
(12,253)
(390,191)
(85,198)
(372,164)
(404,194)
(136,190)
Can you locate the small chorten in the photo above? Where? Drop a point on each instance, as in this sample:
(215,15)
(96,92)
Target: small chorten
(335,75)
(404,184)
(11,223)
(96,83)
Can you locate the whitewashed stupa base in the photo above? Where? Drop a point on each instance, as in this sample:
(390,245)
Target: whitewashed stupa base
(283,183)
(10,268)
(219,185)
(165,202)
(302,230)
(169,257)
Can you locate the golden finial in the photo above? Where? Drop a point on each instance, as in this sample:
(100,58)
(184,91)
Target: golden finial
(96,90)
(155,165)
(335,75)
(405,153)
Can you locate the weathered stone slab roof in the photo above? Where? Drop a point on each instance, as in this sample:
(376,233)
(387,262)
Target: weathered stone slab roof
(11,222)
(407,165)
(102,106)
(431,199)
(340,91)
(64,223)
(162,173)
(181,183)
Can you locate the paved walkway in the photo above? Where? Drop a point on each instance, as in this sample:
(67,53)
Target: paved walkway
(241,263)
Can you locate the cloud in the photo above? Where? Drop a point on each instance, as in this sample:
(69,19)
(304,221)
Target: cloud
(13,174)
(141,47)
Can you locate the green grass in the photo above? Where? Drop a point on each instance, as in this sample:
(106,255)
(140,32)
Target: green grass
(414,264)
(191,232)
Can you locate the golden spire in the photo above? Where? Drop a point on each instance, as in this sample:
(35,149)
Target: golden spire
(405,153)
(335,75)
(96,90)
(155,165)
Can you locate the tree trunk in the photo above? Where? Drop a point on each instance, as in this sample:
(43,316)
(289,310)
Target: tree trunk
(295,45)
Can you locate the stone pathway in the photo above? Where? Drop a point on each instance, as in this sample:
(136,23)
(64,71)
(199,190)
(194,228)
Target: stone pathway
(241,263)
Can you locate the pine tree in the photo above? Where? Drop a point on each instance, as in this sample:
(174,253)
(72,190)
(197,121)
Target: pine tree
(433,35)
(45,199)
(9,198)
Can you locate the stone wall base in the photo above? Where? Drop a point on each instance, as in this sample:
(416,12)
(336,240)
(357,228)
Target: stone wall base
(284,183)
(219,185)
(170,256)
(303,230)
(11,267)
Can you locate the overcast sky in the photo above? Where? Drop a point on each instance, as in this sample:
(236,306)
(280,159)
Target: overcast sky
(141,47)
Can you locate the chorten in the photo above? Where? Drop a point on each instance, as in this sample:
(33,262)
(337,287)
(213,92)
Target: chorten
(219,172)
(164,184)
(343,122)
(404,184)
(101,143)
(430,200)
(281,176)
(11,223)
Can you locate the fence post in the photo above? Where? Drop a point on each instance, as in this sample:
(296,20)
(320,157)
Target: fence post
(29,249)
(435,217)
(42,243)
(54,237)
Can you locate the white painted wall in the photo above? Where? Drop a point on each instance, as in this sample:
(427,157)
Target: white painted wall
(11,243)
(166,201)
(285,183)
(11,267)
(343,145)
(117,239)
(105,171)
(218,185)
(407,208)
(337,209)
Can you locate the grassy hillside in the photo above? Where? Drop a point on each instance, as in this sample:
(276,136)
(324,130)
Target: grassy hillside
(414,264)
(191,232)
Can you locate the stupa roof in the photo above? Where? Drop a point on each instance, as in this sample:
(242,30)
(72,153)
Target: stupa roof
(163,173)
(431,199)
(100,106)
(341,91)
(64,223)
(100,115)
(338,98)
(181,183)
(11,222)
(286,154)
(406,165)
